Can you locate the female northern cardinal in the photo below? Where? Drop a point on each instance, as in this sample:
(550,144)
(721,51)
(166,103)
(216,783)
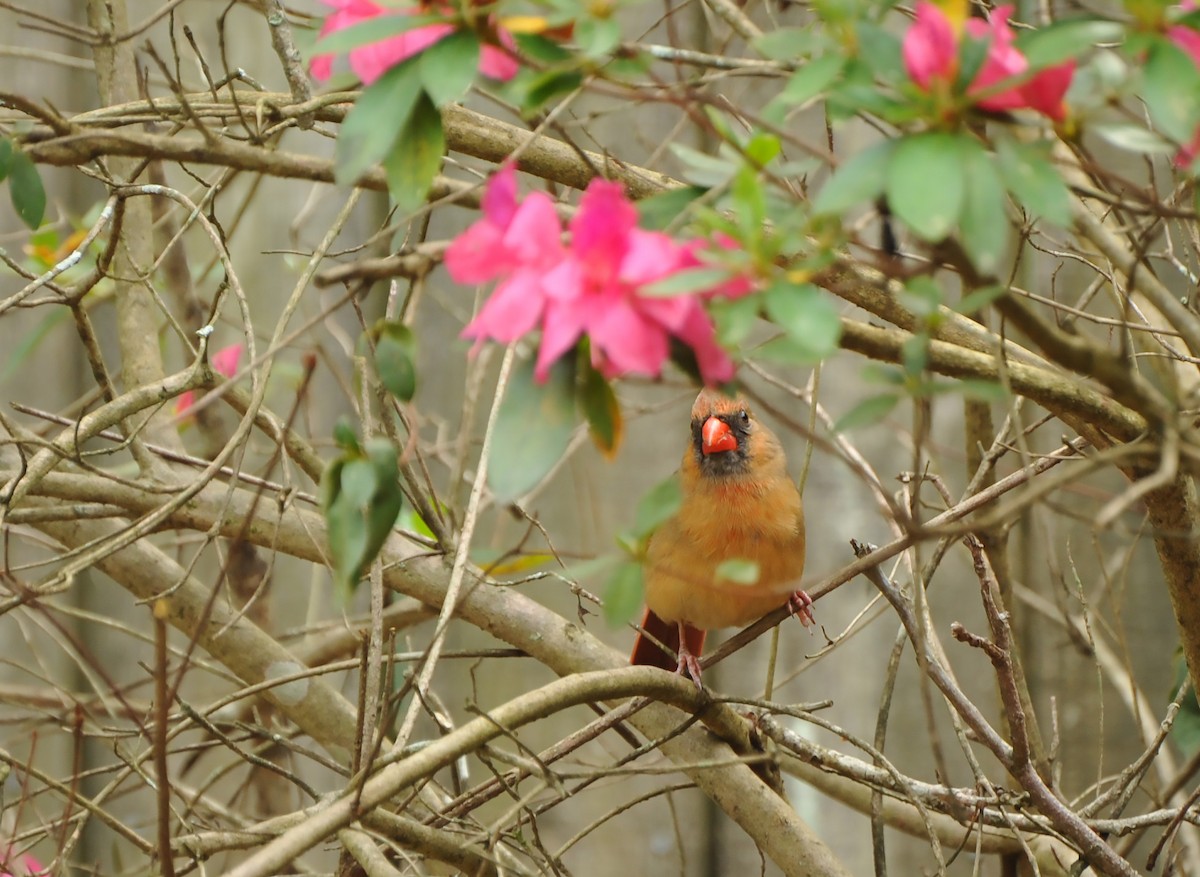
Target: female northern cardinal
(738,504)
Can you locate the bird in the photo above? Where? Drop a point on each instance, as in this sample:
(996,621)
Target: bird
(738,504)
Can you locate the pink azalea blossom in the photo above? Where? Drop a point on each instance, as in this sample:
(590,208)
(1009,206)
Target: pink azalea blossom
(931,52)
(224,362)
(24,865)
(1188,40)
(593,286)
(930,47)
(371,61)
(518,242)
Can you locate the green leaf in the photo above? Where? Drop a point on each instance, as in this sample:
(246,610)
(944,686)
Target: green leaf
(914,354)
(623,596)
(542,49)
(659,211)
(972,52)
(737,570)
(861,178)
(762,149)
(541,87)
(395,359)
(533,428)
(785,43)
(879,49)
(925,185)
(600,409)
(25,190)
(981,390)
(735,318)
(658,504)
(749,202)
(922,296)
(347,536)
(702,169)
(597,37)
(1031,177)
(373,126)
(812,79)
(1067,40)
(685,282)
(414,523)
(1134,138)
(416,158)
(373,30)
(6,157)
(1186,729)
(382,455)
(361,498)
(807,315)
(980,298)
(868,412)
(359,481)
(344,436)
(1171,90)
(448,67)
(984,226)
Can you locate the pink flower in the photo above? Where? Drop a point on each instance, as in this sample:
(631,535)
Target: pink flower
(931,52)
(224,362)
(369,62)
(1188,40)
(516,242)
(1185,37)
(930,47)
(595,291)
(19,866)
(594,286)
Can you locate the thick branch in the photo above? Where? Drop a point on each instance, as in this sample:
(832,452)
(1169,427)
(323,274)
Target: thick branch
(1056,391)
(1174,511)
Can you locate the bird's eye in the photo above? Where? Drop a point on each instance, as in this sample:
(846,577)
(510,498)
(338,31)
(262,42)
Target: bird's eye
(744,416)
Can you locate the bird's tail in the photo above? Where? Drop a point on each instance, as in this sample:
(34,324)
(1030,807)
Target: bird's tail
(646,651)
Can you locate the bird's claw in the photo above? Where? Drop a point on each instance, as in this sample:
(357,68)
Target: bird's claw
(689,665)
(800,605)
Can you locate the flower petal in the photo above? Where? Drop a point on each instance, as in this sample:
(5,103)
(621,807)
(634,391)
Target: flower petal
(1045,91)
(500,195)
(1187,39)
(534,234)
(225,361)
(930,46)
(629,341)
(561,328)
(699,334)
(650,256)
(371,61)
(601,227)
(511,311)
(499,63)
(478,254)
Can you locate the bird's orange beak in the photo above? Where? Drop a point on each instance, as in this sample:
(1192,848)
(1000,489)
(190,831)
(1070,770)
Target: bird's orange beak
(716,436)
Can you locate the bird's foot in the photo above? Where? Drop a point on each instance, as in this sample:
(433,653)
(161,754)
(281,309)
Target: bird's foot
(800,605)
(689,664)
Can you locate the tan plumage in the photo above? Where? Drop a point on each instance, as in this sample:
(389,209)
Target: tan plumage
(738,504)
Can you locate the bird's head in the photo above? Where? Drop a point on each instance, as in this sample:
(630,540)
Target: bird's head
(725,434)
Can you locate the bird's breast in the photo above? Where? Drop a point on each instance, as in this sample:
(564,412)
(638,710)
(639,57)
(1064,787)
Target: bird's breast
(734,522)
